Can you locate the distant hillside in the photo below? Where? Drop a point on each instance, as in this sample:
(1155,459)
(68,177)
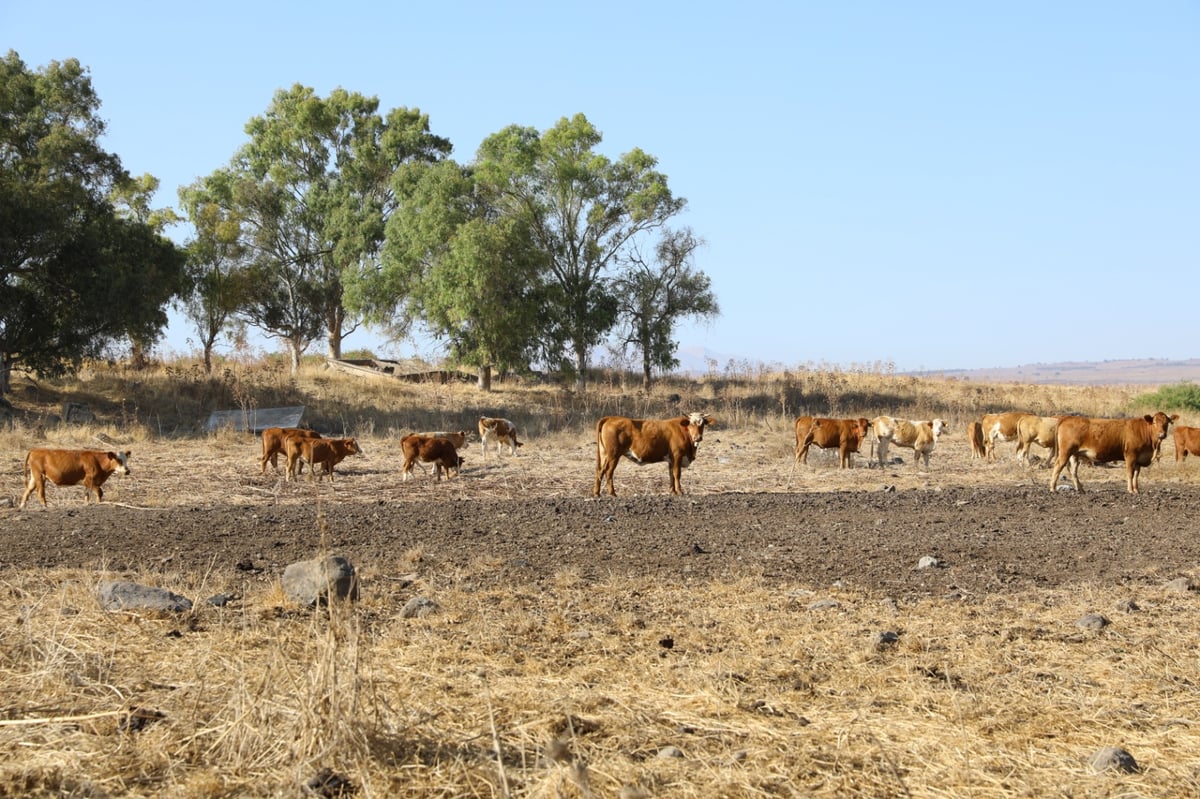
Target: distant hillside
(1144,371)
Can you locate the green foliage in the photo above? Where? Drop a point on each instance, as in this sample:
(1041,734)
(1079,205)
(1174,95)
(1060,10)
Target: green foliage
(79,273)
(1178,397)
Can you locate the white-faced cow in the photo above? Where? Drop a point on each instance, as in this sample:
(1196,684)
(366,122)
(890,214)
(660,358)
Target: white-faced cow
(274,441)
(1002,427)
(437,450)
(1187,440)
(919,436)
(68,467)
(647,441)
(502,431)
(1105,440)
(846,435)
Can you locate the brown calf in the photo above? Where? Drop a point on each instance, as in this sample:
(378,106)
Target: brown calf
(68,467)
(845,434)
(439,451)
(327,452)
(502,431)
(274,441)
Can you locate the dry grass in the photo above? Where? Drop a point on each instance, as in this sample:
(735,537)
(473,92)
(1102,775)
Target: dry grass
(568,688)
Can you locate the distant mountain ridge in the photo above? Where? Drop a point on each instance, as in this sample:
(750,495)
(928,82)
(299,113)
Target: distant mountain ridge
(1137,371)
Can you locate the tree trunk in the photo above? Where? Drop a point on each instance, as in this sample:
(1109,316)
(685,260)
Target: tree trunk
(295,351)
(646,379)
(208,359)
(335,344)
(5,374)
(485,377)
(581,360)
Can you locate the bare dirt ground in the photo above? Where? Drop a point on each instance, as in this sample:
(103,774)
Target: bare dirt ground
(203,506)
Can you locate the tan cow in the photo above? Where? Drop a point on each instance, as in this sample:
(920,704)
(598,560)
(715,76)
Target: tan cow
(274,442)
(975,436)
(1105,440)
(502,431)
(1187,439)
(1001,427)
(1040,430)
(647,441)
(845,434)
(68,467)
(438,450)
(919,436)
(327,452)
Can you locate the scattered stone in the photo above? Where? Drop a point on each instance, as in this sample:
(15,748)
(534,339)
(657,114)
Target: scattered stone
(221,600)
(928,562)
(824,604)
(1180,585)
(884,639)
(1128,606)
(667,643)
(670,751)
(1113,758)
(132,596)
(418,608)
(328,784)
(314,582)
(1092,621)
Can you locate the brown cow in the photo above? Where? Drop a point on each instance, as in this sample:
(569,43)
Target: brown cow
(502,431)
(458,438)
(1040,430)
(437,450)
(1104,440)
(273,443)
(647,441)
(919,436)
(1001,427)
(1187,439)
(845,434)
(975,436)
(68,467)
(327,452)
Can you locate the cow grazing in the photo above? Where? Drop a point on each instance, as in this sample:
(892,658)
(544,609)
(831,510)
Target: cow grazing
(68,467)
(274,442)
(437,450)
(1105,440)
(1001,427)
(502,431)
(1187,440)
(919,436)
(1040,430)
(845,434)
(647,441)
(326,452)
(975,436)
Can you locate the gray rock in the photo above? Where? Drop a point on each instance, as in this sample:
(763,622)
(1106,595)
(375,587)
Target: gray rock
(825,604)
(1128,606)
(884,639)
(928,562)
(1092,621)
(670,751)
(1180,585)
(133,596)
(418,608)
(315,582)
(1113,758)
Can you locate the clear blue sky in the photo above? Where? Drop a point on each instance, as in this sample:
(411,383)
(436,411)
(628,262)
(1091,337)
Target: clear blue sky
(936,184)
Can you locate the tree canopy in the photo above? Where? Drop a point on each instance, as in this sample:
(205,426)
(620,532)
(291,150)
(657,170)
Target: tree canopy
(81,265)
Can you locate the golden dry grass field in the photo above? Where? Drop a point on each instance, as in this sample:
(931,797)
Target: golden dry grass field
(766,634)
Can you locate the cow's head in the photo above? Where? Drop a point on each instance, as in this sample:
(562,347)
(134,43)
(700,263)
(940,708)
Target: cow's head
(122,459)
(862,426)
(939,427)
(352,447)
(694,426)
(1160,423)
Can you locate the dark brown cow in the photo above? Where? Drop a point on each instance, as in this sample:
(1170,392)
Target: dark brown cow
(1187,439)
(68,467)
(845,434)
(502,431)
(327,452)
(647,441)
(437,450)
(975,436)
(1105,440)
(274,442)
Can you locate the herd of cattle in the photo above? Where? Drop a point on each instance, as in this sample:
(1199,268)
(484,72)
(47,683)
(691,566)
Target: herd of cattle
(1068,439)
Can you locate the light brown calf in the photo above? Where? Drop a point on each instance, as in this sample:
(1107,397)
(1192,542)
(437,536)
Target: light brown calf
(274,442)
(68,467)
(437,450)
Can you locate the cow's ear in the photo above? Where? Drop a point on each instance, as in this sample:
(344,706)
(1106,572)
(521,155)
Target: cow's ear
(1149,418)
(1174,417)
(709,420)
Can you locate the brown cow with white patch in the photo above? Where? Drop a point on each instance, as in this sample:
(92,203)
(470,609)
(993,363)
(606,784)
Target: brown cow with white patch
(458,438)
(274,442)
(437,450)
(1040,430)
(68,467)
(327,452)
(647,441)
(502,431)
(1187,439)
(1105,440)
(975,436)
(919,436)
(1001,427)
(845,434)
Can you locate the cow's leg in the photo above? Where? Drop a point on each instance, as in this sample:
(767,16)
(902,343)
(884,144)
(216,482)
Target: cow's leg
(1059,463)
(37,482)
(675,467)
(882,452)
(1132,469)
